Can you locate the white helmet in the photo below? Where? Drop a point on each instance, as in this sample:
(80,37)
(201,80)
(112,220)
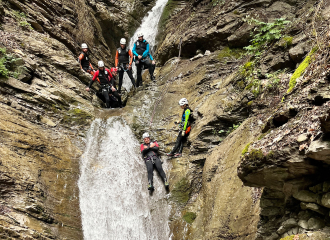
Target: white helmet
(123,41)
(145,135)
(100,64)
(84,45)
(140,34)
(183,101)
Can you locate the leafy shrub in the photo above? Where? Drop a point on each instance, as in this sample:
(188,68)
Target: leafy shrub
(21,18)
(265,33)
(8,66)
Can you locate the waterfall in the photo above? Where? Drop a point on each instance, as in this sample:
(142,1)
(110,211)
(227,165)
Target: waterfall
(149,28)
(114,200)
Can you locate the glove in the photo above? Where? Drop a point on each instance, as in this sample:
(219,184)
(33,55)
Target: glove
(183,133)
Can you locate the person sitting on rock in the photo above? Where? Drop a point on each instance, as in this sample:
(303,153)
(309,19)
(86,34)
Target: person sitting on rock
(142,56)
(185,128)
(123,63)
(84,60)
(103,76)
(149,151)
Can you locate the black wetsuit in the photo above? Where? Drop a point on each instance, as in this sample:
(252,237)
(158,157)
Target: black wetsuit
(150,155)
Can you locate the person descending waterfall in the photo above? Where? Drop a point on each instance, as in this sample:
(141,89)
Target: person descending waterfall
(185,128)
(149,151)
(114,72)
(108,92)
(142,59)
(123,62)
(84,61)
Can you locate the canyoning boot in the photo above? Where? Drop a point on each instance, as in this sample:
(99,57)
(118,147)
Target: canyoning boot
(150,187)
(166,183)
(152,78)
(177,155)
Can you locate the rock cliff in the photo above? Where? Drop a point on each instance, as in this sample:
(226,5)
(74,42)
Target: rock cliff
(45,108)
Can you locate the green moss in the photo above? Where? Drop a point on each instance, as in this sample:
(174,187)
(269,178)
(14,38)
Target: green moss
(241,84)
(181,191)
(288,237)
(249,86)
(300,70)
(247,69)
(250,103)
(227,52)
(77,117)
(246,148)
(286,41)
(256,155)
(167,12)
(189,217)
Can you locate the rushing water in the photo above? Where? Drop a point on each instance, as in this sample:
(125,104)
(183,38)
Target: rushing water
(114,200)
(149,28)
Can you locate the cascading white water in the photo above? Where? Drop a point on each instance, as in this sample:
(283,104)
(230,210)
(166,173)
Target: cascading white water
(149,28)
(114,200)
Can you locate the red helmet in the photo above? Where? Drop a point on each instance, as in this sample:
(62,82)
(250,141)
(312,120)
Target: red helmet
(113,70)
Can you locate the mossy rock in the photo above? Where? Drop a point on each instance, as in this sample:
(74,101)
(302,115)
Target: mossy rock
(77,117)
(189,217)
(233,53)
(246,148)
(181,191)
(301,69)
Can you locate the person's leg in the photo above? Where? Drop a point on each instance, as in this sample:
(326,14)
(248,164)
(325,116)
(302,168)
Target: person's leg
(121,75)
(159,168)
(116,94)
(177,144)
(129,73)
(105,94)
(138,74)
(151,68)
(150,168)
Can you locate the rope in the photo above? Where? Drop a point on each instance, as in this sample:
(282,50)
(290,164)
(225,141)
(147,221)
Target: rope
(165,88)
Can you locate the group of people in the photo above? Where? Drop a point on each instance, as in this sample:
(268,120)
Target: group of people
(150,149)
(109,93)
(111,96)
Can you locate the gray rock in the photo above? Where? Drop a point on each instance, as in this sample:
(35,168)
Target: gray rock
(326,187)
(317,188)
(274,236)
(303,224)
(199,52)
(302,138)
(319,150)
(298,52)
(315,223)
(306,196)
(47,121)
(197,57)
(314,207)
(207,53)
(326,200)
(270,211)
(305,215)
(286,225)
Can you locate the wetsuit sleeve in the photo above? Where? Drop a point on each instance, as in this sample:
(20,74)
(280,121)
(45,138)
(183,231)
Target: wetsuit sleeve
(134,50)
(116,59)
(94,77)
(91,66)
(146,52)
(142,147)
(151,58)
(131,55)
(187,114)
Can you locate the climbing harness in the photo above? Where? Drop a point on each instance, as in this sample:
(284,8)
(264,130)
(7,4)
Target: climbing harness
(165,88)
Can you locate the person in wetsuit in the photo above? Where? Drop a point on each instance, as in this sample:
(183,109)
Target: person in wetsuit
(84,60)
(103,76)
(149,151)
(123,62)
(184,129)
(142,59)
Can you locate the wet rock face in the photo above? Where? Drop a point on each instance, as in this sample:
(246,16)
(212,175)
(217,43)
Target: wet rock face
(45,109)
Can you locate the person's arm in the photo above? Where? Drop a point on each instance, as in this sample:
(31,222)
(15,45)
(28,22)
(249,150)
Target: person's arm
(131,55)
(91,66)
(94,77)
(187,114)
(81,56)
(144,151)
(116,59)
(155,148)
(145,53)
(151,58)
(134,50)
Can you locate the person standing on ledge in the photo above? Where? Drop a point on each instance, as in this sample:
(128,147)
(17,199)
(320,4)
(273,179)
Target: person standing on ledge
(142,59)
(84,60)
(149,151)
(123,62)
(185,127)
